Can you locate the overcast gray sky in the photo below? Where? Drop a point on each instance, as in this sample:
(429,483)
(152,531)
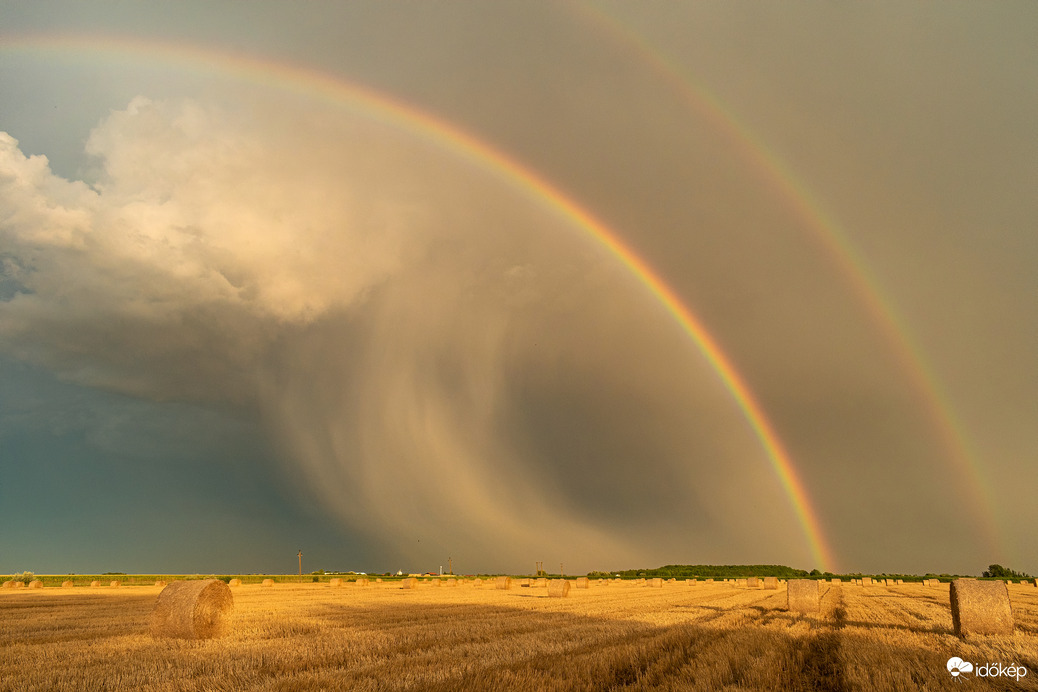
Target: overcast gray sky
(244,312)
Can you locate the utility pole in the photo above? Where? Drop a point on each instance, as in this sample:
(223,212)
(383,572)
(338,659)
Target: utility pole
(561,573)
(450,566)
(300,556)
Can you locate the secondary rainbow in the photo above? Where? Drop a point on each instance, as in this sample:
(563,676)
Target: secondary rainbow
(828,233)
(384,108)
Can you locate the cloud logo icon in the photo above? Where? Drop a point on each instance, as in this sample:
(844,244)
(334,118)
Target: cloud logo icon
(956,666)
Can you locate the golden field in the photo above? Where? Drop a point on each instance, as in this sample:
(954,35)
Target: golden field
(608,637)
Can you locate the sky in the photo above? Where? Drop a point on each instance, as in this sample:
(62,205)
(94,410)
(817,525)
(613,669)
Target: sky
(602,285)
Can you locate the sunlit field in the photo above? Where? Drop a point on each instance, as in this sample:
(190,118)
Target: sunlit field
(296,636)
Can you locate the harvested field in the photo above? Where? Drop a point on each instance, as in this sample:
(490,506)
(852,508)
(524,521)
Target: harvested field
(307,636)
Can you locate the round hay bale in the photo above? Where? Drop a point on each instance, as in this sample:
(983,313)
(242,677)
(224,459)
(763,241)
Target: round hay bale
(771,583)
(582,583)
(115,584)
(802,595)
(409,583)
(160,582)
(95,583)
(753,582)
(503,583)
(192,609)
(67,584)
(8,584)
(18,585)
(558,588)
(980,607)
(267,582)
(709,581)
(234,582)
(361,582)
(36,584)
(452,582)
(477,582)
(740,582)
(656,583)
(335,583)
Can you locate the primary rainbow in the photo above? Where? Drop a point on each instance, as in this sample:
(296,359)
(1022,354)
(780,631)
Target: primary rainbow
(384,108)
(851,265)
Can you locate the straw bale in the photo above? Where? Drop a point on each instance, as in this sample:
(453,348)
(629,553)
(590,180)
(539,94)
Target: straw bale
(1036,582)
(160,582)
(267,582)
(900,581)
(361,582)
(335,583)
(477,582)
(709,581)
(582,583)
(8,584)
(656,583)
(18,585)
(36,584)
(437,582)
(740,582)
(690,582)
(503,583)
(802,595)
(558,588)
(452,582)
(752,582)
(980,607)
(67,584)
(770,583)
(95,583)
(409,583)
(234,582)
(866,581)
(115,584)
(935,582)
(194,609)
(542,582)
(836,580)
(524,582)
(379,580)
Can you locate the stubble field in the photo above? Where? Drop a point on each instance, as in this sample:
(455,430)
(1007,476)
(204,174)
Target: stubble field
(608,637)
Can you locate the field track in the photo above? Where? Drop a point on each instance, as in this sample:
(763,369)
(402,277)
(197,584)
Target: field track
(609,637)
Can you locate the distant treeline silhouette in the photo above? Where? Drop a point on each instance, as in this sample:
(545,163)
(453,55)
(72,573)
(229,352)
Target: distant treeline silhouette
(725,571)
